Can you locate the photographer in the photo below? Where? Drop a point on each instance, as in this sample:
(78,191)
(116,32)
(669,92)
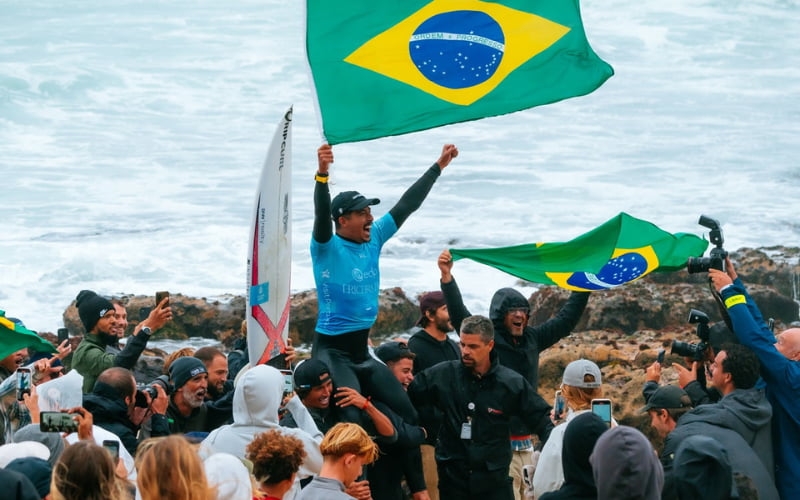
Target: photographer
(779,369)
(693,380)
(119,407)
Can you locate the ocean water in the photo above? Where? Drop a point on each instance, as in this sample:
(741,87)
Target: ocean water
(132,135)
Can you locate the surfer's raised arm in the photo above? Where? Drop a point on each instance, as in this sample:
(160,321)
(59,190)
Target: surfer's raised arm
(413,197)
(323,230)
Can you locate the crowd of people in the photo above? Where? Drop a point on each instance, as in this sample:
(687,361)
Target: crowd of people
(429,417)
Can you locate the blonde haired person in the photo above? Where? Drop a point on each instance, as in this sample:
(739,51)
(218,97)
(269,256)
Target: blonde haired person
(580,384)
(180,353)
(86,471)
(170,467)
(276,458)
(345,449)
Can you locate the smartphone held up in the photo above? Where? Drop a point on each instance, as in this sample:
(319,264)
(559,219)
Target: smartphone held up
(602,408)
(23,382)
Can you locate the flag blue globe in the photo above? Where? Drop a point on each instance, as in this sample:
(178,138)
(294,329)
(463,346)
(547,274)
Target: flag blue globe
(458,49)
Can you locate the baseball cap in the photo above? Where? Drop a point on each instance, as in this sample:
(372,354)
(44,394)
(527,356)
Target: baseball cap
(431,301)
(667,397)
(348,201)
(392,351)
(575,371)
(307,374)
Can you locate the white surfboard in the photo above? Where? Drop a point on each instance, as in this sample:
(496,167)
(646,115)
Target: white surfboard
(269,259)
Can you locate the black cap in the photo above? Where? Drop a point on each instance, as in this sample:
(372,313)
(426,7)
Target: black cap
(393,351)
(668,397)
(307,374)
(349,201)
(431,301)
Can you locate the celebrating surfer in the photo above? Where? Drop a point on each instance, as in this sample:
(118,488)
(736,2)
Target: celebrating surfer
(347,277)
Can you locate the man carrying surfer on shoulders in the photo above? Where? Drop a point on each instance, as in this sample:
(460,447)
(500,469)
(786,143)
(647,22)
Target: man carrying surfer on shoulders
(347,277)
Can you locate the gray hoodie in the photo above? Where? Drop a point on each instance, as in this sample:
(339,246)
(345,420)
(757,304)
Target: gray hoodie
(256,400)
(741,423)
(625,466)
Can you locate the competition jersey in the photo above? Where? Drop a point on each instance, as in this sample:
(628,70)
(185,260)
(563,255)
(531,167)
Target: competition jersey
(348,279)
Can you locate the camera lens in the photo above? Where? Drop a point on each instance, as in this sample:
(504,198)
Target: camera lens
(698,265)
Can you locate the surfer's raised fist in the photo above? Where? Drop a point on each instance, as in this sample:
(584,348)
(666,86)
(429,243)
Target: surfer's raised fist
(324,158)
(449,151)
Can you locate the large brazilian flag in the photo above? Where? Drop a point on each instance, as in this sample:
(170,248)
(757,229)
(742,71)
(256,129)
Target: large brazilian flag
(390,67)
(620,251)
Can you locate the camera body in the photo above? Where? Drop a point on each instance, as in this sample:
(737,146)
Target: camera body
(141,389)
(717,255)
(697,352)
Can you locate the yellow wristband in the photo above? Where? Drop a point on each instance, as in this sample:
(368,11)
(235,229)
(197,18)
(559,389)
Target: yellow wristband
(735,300)
(321,178)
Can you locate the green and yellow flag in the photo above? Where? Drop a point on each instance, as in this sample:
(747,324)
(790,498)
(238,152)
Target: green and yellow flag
(620,251)
(390,67)
(14,336)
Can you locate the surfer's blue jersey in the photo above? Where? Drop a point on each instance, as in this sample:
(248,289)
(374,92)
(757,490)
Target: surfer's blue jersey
(348,279)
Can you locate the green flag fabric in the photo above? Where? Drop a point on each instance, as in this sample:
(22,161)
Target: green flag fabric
(397,66)
(620,251)
(14,336)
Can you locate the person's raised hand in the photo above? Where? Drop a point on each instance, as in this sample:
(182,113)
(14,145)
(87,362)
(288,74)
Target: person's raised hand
(685,376)
(449,151)
(653,372)
(85,422)
(445,263)
(324,158)
(719,279)
(158,316)
(730,269)
(289,352)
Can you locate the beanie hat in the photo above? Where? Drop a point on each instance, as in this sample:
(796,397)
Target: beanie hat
(431,301)
(92,307)
(184,369)
(35,469)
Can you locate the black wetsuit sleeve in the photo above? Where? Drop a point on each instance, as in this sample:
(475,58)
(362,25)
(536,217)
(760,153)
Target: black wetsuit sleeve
(562,324)
(323,225)
(414,196)
(128,357)
(455,304)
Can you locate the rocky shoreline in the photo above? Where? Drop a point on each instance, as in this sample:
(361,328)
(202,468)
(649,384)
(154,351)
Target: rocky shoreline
(622,329)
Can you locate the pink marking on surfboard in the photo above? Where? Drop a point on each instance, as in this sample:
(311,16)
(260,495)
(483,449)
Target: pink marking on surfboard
(274,332)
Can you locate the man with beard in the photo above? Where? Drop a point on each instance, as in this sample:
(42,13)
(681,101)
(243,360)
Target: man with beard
(187,410)
(119,328)
(431,345)
(117,406)
(99,319)
(478,397)
(217,365)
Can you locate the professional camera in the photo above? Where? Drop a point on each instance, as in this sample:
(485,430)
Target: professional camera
(716,258)
(695,351)
(142,389)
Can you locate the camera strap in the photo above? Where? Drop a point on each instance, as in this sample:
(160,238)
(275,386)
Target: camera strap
(723,311)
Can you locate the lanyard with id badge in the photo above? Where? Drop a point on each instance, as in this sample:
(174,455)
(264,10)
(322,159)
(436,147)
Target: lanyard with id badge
(466,427)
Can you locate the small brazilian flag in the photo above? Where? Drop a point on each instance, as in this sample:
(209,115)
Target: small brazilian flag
(390,67)
(14,336)
(620,251)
